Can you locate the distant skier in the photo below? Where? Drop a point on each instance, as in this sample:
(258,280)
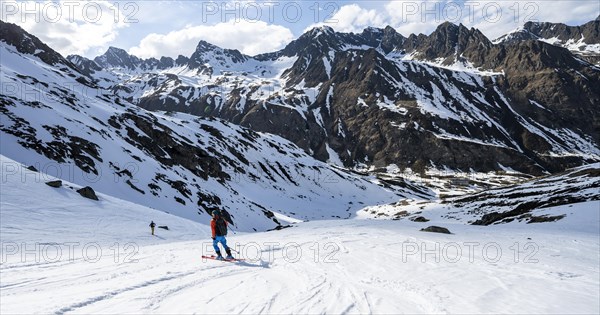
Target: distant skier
(218,225)
(152,225)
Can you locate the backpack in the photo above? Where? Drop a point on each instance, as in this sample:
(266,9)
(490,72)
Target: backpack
(226,216)
(221,227)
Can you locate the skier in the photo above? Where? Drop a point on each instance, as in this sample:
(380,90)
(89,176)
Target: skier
(219,230)
(152,225)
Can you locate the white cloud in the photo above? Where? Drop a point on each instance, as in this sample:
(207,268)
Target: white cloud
(74,32)
(70,27)
(493,18)
(353,18)
(249,37)
(503,17)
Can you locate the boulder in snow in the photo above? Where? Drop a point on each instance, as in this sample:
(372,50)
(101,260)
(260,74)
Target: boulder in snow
(88,192)
(419,219)
(54,183)
(436,229)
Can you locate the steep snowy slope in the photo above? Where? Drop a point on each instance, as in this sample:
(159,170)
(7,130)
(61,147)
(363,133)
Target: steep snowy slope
(344,266)
(34,212)
(186,165)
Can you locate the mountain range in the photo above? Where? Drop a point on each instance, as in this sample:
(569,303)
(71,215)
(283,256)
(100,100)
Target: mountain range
(264,136)
(452,99)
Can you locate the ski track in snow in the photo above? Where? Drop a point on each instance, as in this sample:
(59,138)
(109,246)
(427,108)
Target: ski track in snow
(371,271)
(345,266)
(369,277)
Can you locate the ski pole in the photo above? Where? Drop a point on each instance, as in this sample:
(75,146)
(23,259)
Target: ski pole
(232,230)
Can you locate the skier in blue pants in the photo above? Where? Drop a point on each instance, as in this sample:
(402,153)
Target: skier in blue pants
(218,227)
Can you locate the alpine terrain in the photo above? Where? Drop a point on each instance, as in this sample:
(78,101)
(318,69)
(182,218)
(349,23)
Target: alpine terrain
(370,172)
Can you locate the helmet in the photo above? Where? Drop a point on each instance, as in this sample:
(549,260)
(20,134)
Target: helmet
(216,212)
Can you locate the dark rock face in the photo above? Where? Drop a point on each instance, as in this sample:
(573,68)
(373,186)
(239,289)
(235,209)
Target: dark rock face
(182,60)
(88,192)
(32,168)
(575,38)
(206,51)
(451,42)
(117,57)
(157,140)
(55,183)
(62,147)
(588,32)
(29,44)
(165,63)
(85,65)
(542,219)
(436,229)
(164,227)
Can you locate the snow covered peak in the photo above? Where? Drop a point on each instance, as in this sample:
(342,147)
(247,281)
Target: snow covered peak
(208,56)
(372,29)
(204,46)
(84,65)
(320,30)
(519,34)
(582,40)
(116,51)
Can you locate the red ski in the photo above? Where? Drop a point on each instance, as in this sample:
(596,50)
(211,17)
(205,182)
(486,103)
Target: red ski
(213,257)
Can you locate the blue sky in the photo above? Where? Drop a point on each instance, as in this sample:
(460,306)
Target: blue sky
(157,28)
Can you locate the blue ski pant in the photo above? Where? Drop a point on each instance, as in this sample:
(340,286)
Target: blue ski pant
(217,240)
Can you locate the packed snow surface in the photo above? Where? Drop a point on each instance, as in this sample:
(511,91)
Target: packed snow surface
(344,266)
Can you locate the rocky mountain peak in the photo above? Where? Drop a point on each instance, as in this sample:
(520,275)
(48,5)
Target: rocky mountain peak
(391,40)
(204,46)
(85,65)
(118,58)
(26,43)
(588,33)
(373,30)
(454,34)
(388,29)
(323,36)
(582,40)
(448,43)
(207,56)
(166,62)
(519,34)
(321,30)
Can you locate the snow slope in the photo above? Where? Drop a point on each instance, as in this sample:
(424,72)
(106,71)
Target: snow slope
(525,201)
(362,266)
(35,212)
(173,162)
